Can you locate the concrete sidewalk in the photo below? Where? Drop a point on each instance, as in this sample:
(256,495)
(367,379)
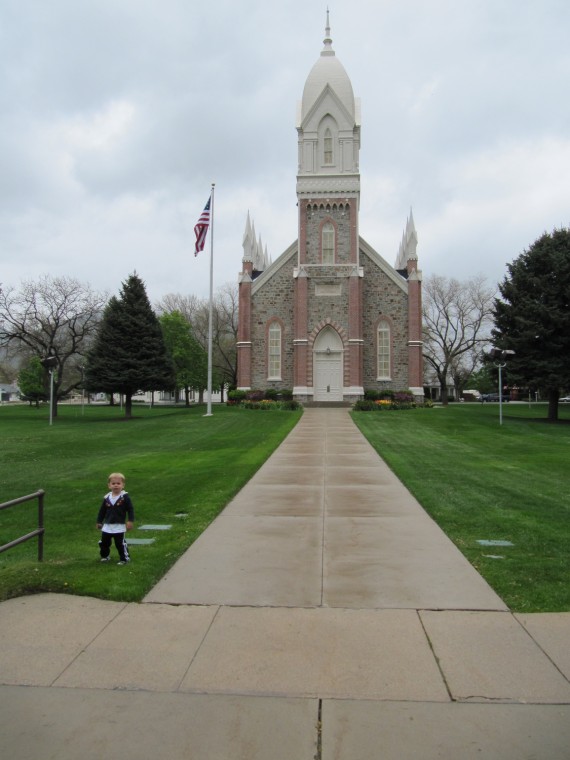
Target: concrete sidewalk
(323,614)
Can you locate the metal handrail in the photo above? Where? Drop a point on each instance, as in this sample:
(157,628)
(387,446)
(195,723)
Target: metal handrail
(39,495)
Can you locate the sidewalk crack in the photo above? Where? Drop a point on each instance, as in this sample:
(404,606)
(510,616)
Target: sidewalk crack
(319,753)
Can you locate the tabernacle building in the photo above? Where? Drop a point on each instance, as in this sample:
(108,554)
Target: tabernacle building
(330,317)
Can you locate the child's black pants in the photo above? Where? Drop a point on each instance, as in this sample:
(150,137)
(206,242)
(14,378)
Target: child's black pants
(120,545)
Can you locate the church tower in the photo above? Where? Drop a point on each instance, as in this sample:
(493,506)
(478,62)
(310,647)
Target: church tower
(328,343)
(329,318)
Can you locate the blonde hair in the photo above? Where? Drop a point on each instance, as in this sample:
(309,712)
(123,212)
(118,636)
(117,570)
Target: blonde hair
(118,475)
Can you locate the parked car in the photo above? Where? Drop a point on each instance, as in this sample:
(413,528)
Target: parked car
(494,397)
(564,400)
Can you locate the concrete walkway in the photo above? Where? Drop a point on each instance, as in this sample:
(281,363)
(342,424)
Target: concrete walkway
(322,615)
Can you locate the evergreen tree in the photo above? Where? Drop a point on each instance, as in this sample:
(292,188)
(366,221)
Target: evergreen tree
(533,317)
(129,353)
(32,381)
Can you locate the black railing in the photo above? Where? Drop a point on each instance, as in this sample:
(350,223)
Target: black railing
(39,495)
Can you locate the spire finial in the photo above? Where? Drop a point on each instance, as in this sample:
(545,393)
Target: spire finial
(327,40)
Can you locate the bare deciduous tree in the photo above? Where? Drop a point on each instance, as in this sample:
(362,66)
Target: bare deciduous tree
(188,306)
(457,319)
(53,316)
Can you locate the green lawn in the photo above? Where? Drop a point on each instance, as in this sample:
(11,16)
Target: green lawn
(181,467)
(480,480)
(477,479)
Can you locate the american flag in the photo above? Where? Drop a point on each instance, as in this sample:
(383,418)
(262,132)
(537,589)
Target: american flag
(201,229)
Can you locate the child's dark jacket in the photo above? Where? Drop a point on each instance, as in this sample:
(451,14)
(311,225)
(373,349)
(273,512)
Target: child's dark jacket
(117,512)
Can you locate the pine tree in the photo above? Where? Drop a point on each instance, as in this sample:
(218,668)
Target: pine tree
(129,353)
(32,381)
(533,316)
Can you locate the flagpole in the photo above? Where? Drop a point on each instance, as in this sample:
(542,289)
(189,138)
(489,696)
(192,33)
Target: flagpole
(209,391)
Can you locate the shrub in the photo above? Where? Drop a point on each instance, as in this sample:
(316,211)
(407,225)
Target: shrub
(364,405)
(255,395)
(287,395)
(290,405)
(271,394)
(235,397)
(269,405)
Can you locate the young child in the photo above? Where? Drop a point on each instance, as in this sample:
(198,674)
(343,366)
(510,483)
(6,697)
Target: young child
(112,519)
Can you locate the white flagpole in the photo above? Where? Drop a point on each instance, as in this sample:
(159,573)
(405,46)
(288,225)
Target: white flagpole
(209,391)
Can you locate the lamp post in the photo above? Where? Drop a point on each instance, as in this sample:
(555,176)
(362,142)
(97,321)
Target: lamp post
(82,368)
(500,356)
(50,363)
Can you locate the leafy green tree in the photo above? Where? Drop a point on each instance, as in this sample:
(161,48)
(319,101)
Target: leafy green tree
(32,381)
(190,359)
(129,353)
(224,329)
(532,317)
(484,380)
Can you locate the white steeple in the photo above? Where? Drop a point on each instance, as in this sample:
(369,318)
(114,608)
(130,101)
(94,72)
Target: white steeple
(408,246)
(253,247)
(328,126)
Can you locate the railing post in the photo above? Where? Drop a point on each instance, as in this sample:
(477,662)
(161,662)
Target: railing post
(39,532)
(41,526)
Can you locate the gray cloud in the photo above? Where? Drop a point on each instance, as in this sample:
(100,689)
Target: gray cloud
(117,115)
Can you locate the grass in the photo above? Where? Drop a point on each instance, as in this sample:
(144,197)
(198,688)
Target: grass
(483,481)
(181,467)
(477,479)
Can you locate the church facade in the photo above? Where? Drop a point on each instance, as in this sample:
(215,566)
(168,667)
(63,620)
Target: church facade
(329,318)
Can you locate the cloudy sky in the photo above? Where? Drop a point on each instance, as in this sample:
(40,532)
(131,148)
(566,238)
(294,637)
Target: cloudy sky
(117,115)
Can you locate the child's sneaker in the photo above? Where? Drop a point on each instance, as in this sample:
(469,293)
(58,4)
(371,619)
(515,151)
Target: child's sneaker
(105,559)
(121,562)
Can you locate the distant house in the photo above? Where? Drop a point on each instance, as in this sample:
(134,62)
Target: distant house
(8,392)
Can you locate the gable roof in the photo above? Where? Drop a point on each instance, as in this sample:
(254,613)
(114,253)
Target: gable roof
(275,266)
(383,264)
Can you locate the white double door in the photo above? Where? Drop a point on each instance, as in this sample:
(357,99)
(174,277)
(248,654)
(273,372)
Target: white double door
(328,367)
(328,378)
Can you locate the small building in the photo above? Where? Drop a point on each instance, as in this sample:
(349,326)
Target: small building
(9,392)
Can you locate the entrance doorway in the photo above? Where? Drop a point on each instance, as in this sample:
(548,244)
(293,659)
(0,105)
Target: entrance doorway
(328,366)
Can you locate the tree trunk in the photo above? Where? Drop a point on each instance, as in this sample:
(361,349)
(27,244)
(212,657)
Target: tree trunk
(128,405)
(553,405)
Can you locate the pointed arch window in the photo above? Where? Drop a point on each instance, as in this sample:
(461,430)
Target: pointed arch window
(274,352)
(383,349)
(328,148)
(327,243)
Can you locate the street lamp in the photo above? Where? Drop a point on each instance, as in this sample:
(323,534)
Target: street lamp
(500,356)
(82,368)
(50,363)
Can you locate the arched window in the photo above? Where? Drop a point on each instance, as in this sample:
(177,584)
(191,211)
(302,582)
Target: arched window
(327,242)
(274,355)
(383,336)
(328,148)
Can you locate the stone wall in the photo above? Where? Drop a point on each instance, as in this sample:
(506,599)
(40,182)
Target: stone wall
(328,303)
(273,300)
(383,298)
